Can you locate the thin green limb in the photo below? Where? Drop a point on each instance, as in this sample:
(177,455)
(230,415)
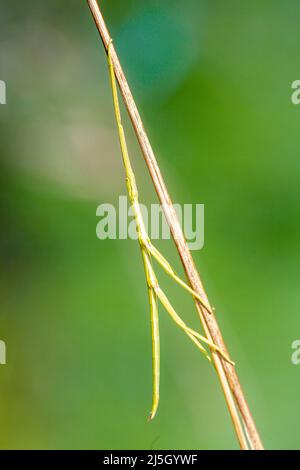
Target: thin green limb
(154,335)
(167,267)
(178,320)
(155,352)
(189,331)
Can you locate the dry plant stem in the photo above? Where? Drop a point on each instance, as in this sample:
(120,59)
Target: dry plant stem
(232,390)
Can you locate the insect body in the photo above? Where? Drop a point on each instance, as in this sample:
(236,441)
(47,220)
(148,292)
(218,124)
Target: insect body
(148,252)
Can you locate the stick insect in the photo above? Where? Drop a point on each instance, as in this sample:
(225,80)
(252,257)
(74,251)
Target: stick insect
(149,252)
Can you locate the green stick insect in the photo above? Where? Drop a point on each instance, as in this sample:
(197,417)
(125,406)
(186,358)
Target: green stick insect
(148,252)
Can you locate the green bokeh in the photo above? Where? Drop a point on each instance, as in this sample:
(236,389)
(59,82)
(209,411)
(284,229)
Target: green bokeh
(213,83)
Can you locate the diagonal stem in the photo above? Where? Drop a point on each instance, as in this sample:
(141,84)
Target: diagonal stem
(238,407)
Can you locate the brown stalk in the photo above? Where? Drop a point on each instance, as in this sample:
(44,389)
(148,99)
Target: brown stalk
(243,422)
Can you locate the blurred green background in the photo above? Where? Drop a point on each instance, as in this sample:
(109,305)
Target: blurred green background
(213,84)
